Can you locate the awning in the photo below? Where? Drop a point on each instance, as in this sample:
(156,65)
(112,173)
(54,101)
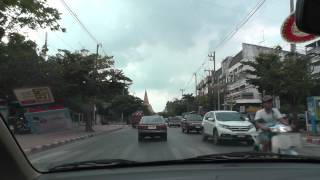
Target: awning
(248,101)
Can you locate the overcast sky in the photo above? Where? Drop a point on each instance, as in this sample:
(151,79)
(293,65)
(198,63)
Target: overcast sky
(160,43)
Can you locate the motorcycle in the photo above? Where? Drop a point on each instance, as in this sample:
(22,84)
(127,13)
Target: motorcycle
(284,141)
(21,126)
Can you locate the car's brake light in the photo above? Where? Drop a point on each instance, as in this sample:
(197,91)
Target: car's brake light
(140,126)
(162,126)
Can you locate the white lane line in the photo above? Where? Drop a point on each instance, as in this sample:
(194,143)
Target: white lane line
(47,156)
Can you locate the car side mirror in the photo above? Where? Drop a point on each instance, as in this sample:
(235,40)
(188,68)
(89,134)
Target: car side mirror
(210,119)
(246,119)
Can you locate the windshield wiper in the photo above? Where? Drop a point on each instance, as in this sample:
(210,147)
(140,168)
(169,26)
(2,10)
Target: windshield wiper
(92,164)
(212,158)
(252,156)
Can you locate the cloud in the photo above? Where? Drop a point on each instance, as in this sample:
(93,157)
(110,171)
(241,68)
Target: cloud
(160,43)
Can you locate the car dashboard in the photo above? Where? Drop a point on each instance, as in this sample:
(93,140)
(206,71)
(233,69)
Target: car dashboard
(222,171)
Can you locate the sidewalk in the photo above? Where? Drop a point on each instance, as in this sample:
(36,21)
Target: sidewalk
(310,145)
(312,139)
(31,143)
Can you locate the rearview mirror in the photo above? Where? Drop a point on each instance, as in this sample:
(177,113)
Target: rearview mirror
(307,16)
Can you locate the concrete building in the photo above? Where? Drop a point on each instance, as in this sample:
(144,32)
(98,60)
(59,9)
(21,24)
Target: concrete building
(241,95)
(231,85)
(313,50)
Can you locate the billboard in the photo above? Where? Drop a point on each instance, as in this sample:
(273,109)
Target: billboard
(49,121)
(313,103)
(34,96)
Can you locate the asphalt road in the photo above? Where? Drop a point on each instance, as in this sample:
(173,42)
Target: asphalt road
(123,144)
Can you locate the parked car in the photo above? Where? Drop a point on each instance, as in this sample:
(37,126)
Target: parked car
(152,126)
(227,125)
(192,122)
(174,121)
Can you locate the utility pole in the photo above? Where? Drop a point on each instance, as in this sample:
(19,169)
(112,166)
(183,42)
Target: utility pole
(212,57)
(124,85)
(182,90)
(218,96)
(95,97)
(45,47)
(196,83)
(292,45)
(209,87)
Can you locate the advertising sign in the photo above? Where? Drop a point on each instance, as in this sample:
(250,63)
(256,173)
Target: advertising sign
(34,96)
(314,111)
(49,121)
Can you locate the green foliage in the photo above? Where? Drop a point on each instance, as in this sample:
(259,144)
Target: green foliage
(19,65)
(80,78)
(126,104)
(16,14)
(267,73)
(177,107)
(290,78)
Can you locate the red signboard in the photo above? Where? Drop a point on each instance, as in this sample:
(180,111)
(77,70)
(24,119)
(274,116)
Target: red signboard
(292,34)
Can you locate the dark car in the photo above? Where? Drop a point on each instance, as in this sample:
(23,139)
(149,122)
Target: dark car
(192,122)
(152,126)
(174,121)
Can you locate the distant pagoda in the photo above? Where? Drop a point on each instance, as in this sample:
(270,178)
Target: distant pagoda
(146,102)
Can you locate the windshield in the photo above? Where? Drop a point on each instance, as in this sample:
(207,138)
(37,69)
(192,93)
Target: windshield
(152,120)
(175,119)
(229,116)
(194,117)
(78,77)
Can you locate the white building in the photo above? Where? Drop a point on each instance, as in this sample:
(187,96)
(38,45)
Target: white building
(239,91)
(313,50)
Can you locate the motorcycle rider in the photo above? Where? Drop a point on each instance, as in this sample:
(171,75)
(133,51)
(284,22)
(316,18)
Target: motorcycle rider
(264,119)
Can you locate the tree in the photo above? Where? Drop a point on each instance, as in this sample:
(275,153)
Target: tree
(126,104)
(290,78)
(297,82)
(189,101)
(17,14)
(20,65)
(266,73)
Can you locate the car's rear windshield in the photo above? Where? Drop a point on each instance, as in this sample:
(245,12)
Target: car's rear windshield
(194,117)
(175,119)
(152,120)
(228,116)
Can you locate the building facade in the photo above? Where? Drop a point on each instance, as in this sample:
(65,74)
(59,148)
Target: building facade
(230,86)
(313,50)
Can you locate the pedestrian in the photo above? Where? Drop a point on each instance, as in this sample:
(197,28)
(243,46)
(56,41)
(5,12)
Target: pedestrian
(264,119)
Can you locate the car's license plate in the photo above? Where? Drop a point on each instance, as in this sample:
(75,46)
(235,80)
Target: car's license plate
(241,135)
(152,127)
(198,127)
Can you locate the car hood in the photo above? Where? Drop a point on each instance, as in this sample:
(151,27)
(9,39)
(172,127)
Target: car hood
(235,123)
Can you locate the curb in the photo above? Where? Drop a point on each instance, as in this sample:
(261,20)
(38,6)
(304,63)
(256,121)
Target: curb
(313,140)
(65,141)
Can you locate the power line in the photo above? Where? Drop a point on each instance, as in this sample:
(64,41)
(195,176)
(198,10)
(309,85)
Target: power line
(241,24)
(233,32)
(74,15)
(63,41)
